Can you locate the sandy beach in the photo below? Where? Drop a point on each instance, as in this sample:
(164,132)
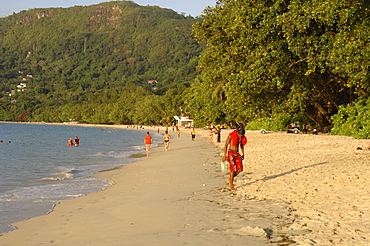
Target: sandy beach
(296,189)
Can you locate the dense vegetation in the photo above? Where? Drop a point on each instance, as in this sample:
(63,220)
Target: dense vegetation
(353,120)
(92,64)
(266,58)
(264,63)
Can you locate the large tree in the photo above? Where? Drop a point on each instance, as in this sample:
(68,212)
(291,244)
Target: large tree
(266,56)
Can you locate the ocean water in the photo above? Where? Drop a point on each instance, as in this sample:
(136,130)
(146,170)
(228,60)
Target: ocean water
(38,169)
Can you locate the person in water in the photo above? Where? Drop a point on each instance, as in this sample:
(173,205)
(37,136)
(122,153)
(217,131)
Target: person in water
(166,139)
(70,142)
(234,153)
(77,141)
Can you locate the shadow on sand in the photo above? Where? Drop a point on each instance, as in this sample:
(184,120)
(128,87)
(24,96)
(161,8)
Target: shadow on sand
(282,174)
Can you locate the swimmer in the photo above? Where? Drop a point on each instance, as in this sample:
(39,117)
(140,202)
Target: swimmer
(77,141)
(70,142)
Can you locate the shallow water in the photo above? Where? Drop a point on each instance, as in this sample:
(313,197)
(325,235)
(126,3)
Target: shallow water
(38,169)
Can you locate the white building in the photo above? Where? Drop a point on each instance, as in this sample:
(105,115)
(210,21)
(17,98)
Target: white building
(184,122)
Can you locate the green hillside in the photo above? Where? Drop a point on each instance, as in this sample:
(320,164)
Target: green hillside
(261,64)
(95,64)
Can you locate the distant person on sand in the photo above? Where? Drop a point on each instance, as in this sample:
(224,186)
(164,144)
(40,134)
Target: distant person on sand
(193,134)
(178,132)
(210,134)
(166,139)
(232,154)
(218,134)
(148,141)
(70,142)
(77,141)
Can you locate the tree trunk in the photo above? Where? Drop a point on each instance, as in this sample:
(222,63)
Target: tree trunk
(319,116)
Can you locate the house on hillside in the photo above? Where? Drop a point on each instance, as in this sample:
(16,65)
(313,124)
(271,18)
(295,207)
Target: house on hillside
(21,87)
(152,81)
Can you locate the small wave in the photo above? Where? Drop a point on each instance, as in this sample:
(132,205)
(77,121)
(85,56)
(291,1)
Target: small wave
(66,175)
(138,147)
(117,154)
(98,154)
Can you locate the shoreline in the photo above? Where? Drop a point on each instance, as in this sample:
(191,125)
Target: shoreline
(296,189)
(56,180)
(165,198)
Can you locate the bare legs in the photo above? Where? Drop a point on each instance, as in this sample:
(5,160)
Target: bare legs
(231,179)
(147,149)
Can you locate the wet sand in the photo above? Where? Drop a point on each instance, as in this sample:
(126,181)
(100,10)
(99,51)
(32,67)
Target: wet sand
(296,189)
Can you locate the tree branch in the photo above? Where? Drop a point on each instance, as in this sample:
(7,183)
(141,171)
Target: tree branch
(304,59)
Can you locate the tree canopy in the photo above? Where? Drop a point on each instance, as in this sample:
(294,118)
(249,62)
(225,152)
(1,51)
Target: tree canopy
(274,56)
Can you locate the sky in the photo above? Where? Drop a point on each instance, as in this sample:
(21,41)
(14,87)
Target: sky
(189,7)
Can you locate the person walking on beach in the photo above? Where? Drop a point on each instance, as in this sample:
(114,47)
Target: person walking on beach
(166,139)
(77,141)
(234,141)
(148,140)
(193,134)
(210,134)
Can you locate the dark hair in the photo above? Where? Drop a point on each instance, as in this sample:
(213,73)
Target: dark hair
(241,131)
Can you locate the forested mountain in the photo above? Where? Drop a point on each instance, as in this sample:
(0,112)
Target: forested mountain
(95,63)
(264,64)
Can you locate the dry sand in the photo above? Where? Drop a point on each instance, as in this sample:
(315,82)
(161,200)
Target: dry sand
(296,189)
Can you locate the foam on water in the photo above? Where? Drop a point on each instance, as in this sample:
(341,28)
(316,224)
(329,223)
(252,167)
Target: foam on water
(68,174)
